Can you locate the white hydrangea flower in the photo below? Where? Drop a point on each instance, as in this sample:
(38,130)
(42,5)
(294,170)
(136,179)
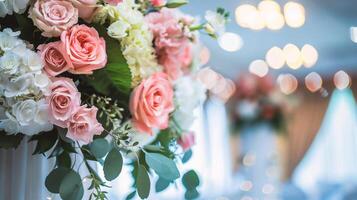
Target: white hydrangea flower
(10,124)
(189,93)
(9,63)
(8,7)
(118,29)
(32,61)
(19,86)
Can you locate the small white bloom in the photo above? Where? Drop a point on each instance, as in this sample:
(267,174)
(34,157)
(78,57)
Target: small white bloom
(19,86)
(216,22)
(9,63)
(118,29)
(10,125)
(25,111)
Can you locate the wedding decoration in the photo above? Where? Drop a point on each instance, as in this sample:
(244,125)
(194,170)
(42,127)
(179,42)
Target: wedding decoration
(257,100)
(93,81)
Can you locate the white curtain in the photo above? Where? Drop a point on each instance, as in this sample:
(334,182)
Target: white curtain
(332,157)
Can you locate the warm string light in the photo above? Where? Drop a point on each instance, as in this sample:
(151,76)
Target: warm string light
(287,83)
(259,68)
(268,14)
(342,80)
(313,82)
(230,42)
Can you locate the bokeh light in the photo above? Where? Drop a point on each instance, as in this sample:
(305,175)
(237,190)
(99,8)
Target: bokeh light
(243,15)
(309,55)
(256,20)
(294,14)
(275,58)
(269,6)
(274,21)
(230,42)
(205,55)
(354,34)
(293,56)
(287,83)
(313,82)
(342,80)
(259,68)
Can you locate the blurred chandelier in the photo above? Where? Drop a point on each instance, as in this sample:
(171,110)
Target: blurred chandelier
(269,14)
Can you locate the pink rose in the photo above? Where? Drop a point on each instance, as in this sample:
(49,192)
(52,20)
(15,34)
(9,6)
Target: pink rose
(172,45)
(86,8)
(158,3)
(54,57)
(187,140)
(53,16)
(151,103)
(63,101)
(85,49)
(83,125)
(113,2)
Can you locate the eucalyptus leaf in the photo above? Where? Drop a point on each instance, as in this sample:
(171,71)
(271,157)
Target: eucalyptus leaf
(45,141)
(190,180)
(187,156)
(176,3)
(64,160)
(191,194)
(99,147)
(54,179)
(10,141)
(161,185)
(143,182)
(131,195)
(71,187)
(163,166)
(113,164)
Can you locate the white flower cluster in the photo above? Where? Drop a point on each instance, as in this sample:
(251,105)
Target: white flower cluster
(216,22)
(7,7)
(22,87)
(189,93)
(130,29)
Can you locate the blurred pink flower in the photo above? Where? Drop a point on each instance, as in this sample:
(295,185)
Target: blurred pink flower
(187,140)
(173,47)
(158,3)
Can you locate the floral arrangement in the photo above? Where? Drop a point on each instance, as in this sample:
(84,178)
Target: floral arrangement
(103,79)
(257,100)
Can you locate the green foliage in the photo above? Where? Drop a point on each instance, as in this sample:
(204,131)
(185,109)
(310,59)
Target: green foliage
(131,195)
(163,166)
(99,147)
(113,164)
(143,182)
(176,3)
(191,194)
(45,141)
(71,187)
(161,185)
(10,141)
(187,156)
(64,160)
(190,180)
(54,179)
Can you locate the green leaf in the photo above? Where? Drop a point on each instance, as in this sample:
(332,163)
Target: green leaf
(191,194)
(131,195)
(187,156)
(10,141)
(143,182)
(163,166)
(161,185)
(190,180)
(45,141)
(113,164)
(54,179)
(176,3)
(71,187)
(64,160)
(99,147)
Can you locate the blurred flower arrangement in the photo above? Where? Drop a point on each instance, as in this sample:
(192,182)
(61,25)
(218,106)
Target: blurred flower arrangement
(103,79)
(257,100)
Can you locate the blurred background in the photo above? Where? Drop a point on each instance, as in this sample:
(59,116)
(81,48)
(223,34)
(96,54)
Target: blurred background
(282,124)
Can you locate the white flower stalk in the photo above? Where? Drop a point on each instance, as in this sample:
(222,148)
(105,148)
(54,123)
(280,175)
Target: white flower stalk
(22,88)
(135,38)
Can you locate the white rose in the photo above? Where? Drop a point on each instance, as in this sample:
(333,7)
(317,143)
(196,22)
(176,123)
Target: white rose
(9,63)
(25,111)
(10,125)
(19,86)
(118,29)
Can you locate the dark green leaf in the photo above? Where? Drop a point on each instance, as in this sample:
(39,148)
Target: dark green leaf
(99,147)
(10,141)
(56,151)
(190,180)
(161,185)
(131,195)
(163,166)
(45,141)
(143,182)
(153,148)
(54,179)
(113,164)
(191,194)
(64,160)
(187,156)
(176,3)
(71,187)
